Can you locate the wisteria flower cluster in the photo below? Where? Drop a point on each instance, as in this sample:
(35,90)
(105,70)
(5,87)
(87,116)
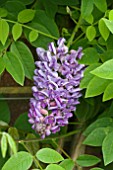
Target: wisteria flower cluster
(56,88)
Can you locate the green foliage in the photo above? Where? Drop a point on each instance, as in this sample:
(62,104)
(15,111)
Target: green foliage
(90,56)
(91,32)
(87,75)
(28,24)
(67,164)
(2,65)
(108,92)
(61,2)
(86,8)
(12,143)
(25,56)
(55,167)
(42,19)
(20,161)
(104,31)
(33,35)
(4,31)
(14,67)
(21,123)
(108,149)
(105,70)
(32,146)
(101,122)
(96,137)
(3,12)
(101,5)
(26,15)
(109,24)
(16,31)
(96,169)
(48,155)
(3,145)
(50,8)
(87,160)
(96,86)
(5,140)
(4,111)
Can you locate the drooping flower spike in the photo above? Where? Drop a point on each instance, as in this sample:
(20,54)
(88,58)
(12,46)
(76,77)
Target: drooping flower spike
(56,88)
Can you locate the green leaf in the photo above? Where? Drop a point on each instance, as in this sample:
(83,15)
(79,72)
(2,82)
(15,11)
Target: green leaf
(86,8)
(50,8)
(3,125)
(33,35)
(32,146)
(96,137)
(88,110)
(39,27)
(66,2)
(109,42)
(90,56)
(42,41)
(83,42)
(104,31)
(12,143)
(107,149)
(16,31)
(111,15)
(22,123)
(67,164)
(2,65)
(109,24)
(48,155)
(55,167)
(105,70)
(90,33)
(24,54)
(4,145)
(85,81)
(101,122)
(4,31)
(3,12)
(26,15)
(3,160)
(27,2)
(87,75)
(96,168)
(42,19)
(89,19)
(20,161)
(96,87)
(4,111)
(13,8)
(107,55)
(108,93)
(87,160)
(101,5)
(14,67)
(13,132)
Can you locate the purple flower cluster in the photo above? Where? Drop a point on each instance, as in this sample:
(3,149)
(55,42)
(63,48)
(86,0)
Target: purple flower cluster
(56,88)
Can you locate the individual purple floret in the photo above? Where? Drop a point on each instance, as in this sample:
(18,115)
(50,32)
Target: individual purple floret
(56,88)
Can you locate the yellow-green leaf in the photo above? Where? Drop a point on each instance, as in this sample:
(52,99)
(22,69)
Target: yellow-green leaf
(104,31)
(90,33)
(16,31)
(33,35)
(14,67)
(4,31)
(26,15)
(4,145)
